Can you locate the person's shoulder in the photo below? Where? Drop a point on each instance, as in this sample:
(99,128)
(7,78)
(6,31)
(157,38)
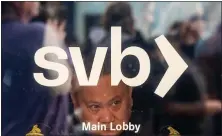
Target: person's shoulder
(24,29)
(36,27)
(23,36)
(32,36)
(35,32)
(31,32)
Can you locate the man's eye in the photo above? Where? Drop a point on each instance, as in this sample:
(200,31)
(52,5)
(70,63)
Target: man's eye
(94,107)
(116,103)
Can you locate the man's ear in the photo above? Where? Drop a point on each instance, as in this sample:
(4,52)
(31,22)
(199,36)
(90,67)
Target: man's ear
(77,109)
(74,92)
(74,100)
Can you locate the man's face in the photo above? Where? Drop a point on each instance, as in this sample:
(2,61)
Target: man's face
(198,26)
(105,104)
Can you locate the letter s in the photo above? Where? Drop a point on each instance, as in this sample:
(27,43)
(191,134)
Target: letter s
(62,70)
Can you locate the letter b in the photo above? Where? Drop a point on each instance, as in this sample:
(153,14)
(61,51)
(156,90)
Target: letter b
(117,56)
(125,126)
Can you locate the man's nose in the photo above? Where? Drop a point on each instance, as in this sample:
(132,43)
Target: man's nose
(106,116)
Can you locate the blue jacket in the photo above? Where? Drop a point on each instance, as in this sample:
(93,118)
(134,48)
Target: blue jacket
(24,102)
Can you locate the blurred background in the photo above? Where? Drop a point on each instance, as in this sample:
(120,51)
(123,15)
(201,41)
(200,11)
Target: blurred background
(194,29)
(151,18)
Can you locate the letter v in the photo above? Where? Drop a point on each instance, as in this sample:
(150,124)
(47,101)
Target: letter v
(80,68)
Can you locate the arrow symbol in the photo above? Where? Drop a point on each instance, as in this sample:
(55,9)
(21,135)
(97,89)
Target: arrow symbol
(176,66)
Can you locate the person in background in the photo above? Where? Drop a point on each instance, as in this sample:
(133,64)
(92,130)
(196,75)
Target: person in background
(53,15)
(26,103)
(209,60)
(25,11)
(191,33)
(186,104)
(189,38)
(197,22)
(119,14)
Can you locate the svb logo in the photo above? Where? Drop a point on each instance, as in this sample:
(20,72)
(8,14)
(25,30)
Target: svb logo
(176,64)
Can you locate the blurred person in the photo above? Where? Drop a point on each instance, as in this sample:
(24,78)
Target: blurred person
(183,40)
(186,104)
(25,11)
(189,34)
(24,101)
(119,14)
(209,60)
(55,16)
(198,23)
(189,38)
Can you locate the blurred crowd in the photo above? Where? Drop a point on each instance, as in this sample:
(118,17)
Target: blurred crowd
(193,105)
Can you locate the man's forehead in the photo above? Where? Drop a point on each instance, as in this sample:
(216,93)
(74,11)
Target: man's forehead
(104,80)
(104,86)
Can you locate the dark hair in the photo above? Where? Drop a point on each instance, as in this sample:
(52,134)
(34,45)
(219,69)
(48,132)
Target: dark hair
(9,10)
(176,25)
(196,18)
(5,6)
(118,14)
(174,29)
(53,12)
